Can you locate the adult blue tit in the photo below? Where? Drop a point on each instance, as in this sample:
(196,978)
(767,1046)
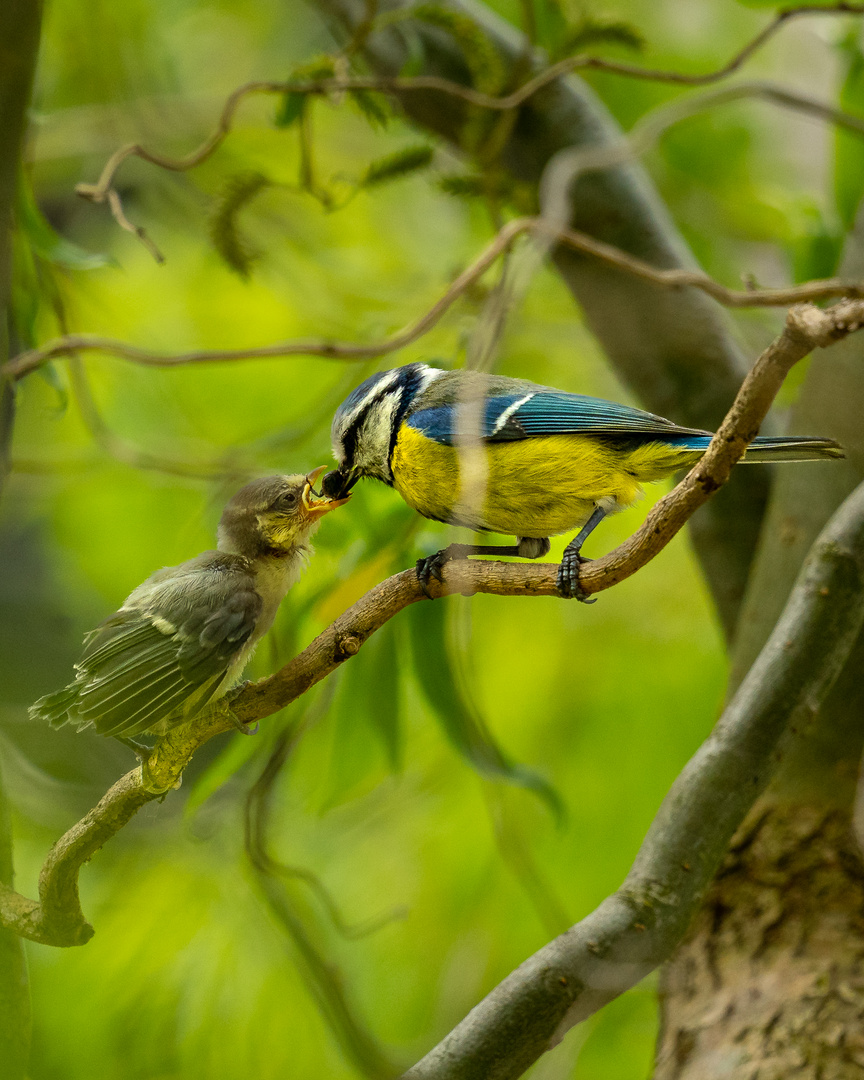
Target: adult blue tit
(550,462)
(182,638)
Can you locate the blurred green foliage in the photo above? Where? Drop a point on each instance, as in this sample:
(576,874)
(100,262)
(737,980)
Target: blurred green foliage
(409,789)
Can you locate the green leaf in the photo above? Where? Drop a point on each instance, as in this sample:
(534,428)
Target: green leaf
(463,186)
(236,753)
(373,106)
(481,55)
(551,24)
(290,109)
(816,245)
(415,59)
(460,718)
(382,686)
(48,244)
(224,233)
(395,166)
(51,375)
(590,32)
(293,104)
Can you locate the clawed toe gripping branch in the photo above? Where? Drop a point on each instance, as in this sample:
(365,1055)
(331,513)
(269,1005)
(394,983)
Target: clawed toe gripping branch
(827,608)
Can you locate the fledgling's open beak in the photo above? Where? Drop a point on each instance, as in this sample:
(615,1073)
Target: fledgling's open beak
(317,505)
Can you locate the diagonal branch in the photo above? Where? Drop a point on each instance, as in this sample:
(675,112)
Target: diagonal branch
(58,920)
(633,931)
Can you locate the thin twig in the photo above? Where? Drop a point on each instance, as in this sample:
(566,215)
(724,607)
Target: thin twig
(103,190)
(29,361)
(822,289)
(58,919)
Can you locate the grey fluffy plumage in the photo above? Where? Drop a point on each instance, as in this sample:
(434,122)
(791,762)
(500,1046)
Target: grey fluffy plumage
(182,638)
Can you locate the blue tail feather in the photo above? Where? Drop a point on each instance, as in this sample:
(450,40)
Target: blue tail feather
(769,447)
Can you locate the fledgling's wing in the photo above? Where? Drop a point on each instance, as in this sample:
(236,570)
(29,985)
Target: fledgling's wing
(165,652)
(535,413)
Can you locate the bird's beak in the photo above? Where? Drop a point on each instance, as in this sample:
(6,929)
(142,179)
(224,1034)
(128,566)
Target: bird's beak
(337,484)
(317,505)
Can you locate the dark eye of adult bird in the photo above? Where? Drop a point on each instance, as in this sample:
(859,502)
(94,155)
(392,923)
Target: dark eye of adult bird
(553,462)
(182,638)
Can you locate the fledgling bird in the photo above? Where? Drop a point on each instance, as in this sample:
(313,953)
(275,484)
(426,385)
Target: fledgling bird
(182,638)
(552,461)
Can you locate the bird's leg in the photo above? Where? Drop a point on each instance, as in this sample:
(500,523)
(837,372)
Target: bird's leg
(572,559)
(235,692)
(141,750)
(533,547)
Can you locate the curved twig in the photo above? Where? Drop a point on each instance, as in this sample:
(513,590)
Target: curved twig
(26,362)
(103,190)
(58,919)
(98,192)
(69,344)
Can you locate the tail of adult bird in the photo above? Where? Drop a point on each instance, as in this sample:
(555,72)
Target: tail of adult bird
(769,448)
(55,708)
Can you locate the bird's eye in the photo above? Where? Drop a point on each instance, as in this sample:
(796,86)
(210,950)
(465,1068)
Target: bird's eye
(288,501)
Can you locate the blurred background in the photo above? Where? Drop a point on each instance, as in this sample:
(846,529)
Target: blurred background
(336,892)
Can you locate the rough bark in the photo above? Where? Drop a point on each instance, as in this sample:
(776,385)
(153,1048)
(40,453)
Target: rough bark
(676,349)
(770,982)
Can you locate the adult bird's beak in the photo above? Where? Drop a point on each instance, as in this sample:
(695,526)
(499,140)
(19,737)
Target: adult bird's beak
(337,484)
(317,505)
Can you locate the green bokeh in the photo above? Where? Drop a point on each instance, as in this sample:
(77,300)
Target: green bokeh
(190,974)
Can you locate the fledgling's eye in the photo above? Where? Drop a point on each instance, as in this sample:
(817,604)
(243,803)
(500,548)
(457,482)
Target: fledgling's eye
(288,501)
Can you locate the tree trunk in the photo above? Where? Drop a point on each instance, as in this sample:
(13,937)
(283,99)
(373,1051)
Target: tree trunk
(770,982)
(20,22)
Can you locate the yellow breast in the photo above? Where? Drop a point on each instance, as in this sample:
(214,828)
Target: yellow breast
(531,487)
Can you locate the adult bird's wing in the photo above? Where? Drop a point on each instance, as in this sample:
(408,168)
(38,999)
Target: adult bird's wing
(534,413)
(165,652)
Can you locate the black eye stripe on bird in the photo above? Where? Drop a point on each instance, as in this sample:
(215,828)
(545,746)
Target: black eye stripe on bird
(182,638)
(554,461)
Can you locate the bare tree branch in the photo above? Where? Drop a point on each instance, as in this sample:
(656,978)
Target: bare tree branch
(636,929)
(71,344)
(103,190)
(58,920)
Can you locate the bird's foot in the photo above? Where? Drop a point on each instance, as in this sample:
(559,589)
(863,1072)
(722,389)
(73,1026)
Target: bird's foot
(432,565)
(568,577)
(232,695)
(149,784)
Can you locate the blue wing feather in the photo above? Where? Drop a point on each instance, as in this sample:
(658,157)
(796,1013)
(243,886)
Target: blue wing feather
(535,414)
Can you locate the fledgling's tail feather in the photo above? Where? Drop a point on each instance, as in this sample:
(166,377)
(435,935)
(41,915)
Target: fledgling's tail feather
(55,708)
(771,448)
